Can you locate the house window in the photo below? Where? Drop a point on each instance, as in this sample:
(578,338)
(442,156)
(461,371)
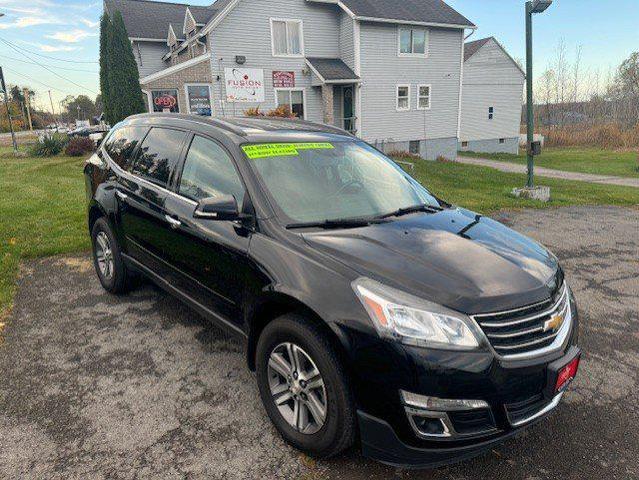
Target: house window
(491,113)
(198,99)
(464,144)
(502,141)
(165,100)
(413,147)
(423,97)
(412,41)
(292,97)
(287,38)
(403,97)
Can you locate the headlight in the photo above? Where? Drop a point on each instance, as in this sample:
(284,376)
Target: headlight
(414,321)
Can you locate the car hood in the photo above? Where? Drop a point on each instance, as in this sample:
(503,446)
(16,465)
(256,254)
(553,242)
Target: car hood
(455,258)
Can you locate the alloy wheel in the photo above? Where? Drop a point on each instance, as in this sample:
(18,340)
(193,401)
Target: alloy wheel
(104,255)
(297,388)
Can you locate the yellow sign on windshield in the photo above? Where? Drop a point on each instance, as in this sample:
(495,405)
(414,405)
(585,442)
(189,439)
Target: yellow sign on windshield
(282,149)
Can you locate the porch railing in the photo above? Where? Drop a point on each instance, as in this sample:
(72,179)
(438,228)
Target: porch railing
(348,124)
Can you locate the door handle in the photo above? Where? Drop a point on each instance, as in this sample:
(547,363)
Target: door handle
(121,196)
(175,223)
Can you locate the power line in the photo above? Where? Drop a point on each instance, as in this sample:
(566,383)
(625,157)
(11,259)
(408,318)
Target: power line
(49,56)
(51,66)
(34,80)
(17,49)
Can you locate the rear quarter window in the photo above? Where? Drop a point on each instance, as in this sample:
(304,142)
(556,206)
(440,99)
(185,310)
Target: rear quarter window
(121,144)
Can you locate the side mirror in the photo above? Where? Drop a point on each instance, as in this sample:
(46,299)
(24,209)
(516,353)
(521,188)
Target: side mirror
(223,207)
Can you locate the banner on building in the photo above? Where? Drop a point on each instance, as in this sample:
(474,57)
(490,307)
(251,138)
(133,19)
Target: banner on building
(283,79)
(244,85)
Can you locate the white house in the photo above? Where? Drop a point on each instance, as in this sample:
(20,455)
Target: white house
(390,75)
(493,87)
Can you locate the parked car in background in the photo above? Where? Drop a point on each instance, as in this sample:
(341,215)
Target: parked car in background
(371,309)
(95,133)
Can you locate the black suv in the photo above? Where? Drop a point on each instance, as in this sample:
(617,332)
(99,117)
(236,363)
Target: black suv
(371,309)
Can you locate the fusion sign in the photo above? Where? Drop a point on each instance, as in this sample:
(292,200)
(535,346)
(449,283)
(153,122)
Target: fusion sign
(244,85)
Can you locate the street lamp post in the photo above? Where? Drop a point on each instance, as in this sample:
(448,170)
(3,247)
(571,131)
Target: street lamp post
(532,7)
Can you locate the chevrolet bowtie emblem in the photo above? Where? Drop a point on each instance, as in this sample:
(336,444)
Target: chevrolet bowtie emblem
(554,323)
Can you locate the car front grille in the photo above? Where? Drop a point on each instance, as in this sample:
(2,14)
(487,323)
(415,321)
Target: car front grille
(520,411)
(527,330)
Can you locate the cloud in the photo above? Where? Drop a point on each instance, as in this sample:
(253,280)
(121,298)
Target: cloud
(57,48)
(44,47)
(90,23)
(73,36)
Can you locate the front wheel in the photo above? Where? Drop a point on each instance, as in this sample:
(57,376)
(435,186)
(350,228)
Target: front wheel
(304,387)
(107,258)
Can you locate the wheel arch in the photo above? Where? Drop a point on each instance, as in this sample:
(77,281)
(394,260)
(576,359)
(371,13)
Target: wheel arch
(275,304)
(95,212)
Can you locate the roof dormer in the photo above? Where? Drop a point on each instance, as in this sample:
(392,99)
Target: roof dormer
(189,22)
(171,39)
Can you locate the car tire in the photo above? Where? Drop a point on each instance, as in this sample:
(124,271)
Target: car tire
(338,430)
(107,258)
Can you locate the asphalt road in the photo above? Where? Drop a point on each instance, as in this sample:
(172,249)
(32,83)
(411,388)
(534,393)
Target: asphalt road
(96,386)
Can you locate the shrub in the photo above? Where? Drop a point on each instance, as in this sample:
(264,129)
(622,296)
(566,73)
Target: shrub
(402,154)
(253,112)
(49,145)
(283,111)
(78,146)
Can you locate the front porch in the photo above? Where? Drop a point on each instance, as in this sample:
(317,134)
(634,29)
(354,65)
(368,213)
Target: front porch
(340,92)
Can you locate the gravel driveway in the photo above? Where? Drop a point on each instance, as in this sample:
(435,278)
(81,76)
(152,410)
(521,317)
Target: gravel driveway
(96,386)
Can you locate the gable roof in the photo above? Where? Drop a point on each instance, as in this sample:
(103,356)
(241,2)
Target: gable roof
(151,19)
(471,48)
(331,70)
(418,11)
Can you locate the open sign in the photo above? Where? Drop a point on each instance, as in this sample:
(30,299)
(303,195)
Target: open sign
(166,101)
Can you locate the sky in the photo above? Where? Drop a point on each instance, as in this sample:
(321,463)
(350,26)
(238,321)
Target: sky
(53,44)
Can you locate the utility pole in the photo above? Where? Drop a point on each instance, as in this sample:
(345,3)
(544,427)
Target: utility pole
(52,110)
(3,89)
(530,118)
(27,101)
(532,7)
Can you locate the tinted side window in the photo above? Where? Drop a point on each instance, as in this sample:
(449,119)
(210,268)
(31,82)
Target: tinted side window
(209,172)
(159,154)
(122,143)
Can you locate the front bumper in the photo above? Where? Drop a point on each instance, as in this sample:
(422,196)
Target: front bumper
(380,441)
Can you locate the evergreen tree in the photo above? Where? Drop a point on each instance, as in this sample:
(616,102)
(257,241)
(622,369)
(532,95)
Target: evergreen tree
(123,78)
(105,36)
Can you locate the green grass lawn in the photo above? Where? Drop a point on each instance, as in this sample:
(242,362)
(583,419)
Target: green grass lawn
(584,160)
(42,204)
(42,213)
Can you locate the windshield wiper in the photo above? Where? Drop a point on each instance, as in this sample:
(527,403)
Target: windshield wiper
(427,208)
(338,223)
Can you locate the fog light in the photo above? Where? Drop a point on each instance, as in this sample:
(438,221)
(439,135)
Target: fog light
(441,404)
(430,426)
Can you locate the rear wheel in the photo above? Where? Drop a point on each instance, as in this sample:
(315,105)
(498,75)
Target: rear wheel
(304,387)
(107,258)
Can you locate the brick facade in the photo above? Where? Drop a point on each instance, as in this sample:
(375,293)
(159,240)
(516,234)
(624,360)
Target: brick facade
(199,73)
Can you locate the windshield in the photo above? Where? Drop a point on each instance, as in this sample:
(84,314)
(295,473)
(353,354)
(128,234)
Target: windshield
(316,182)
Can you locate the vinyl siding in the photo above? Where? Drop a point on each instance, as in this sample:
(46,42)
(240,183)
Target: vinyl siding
(383,69)
(247,31)
(491,79)
(148,56)
(347,40)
